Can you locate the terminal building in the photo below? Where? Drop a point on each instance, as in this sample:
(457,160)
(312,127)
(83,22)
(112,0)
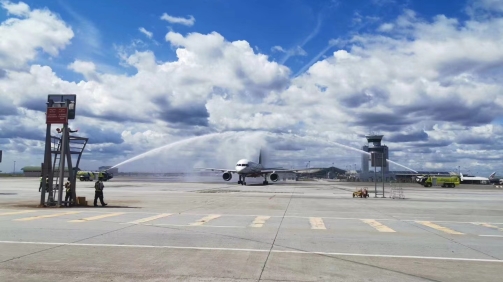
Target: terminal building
(36,171)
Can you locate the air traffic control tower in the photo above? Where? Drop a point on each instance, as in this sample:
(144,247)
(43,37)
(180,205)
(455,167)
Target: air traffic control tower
(378,151)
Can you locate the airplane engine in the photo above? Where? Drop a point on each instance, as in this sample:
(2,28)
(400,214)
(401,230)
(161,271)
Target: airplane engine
(274,177)
(227,176)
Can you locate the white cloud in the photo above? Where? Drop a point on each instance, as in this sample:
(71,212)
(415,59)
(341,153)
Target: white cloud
(35,29)
(88,69)
(20,9)
(179,20)
(330,45)
(431,87)
(87,34)
(386,27)
(147,33)
(482,7)
(297,50)
(278,49)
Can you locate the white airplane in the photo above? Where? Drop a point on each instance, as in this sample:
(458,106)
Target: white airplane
(246,168)
(494,180)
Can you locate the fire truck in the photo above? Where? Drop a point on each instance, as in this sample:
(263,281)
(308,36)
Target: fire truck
(438,180)
(93,175)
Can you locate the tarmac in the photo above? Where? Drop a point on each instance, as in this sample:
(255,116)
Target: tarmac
(155,229)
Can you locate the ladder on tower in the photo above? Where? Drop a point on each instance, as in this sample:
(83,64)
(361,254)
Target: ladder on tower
(57,159)
(75,148)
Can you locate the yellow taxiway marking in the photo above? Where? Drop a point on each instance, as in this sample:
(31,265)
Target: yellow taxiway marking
(438,227)
(150,218)
(205,219)
(45,216)
(18,212)
(380,227)
(488,225)
(259,221)
(317,223)
(97,217)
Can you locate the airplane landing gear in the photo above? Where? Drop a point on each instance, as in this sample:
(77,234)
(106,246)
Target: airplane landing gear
(265,180)
(241,181)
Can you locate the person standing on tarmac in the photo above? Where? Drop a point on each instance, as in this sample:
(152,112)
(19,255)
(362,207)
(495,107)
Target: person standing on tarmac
(68,195)
(98,192)
(41,183)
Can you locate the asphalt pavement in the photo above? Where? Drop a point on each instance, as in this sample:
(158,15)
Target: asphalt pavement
(159,230)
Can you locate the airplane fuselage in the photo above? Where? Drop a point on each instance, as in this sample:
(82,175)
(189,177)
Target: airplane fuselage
(248,168)
(245,168)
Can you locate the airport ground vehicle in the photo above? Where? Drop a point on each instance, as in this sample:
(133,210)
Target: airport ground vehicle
(361,193)
(443,181)
(93,175)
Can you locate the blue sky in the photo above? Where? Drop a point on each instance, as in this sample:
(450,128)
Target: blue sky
(426,74)
(102,25)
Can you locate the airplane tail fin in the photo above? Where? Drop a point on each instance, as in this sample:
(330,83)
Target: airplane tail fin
(492,175)
(260,157)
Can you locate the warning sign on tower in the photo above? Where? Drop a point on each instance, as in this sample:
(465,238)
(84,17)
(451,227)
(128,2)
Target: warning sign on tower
(56,115)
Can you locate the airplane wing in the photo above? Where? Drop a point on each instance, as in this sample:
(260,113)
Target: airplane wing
(217,169)
(291,170)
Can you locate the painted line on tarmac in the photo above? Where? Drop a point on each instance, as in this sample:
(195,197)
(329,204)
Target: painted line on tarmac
(440,228)
(45,216)
(18,212)
(378,226)
(499,236)
(317,223)
(250,250)
(97,217)
(487,225)
(190,225)
(259,221)
(277,216)
(205,219)
(150,218)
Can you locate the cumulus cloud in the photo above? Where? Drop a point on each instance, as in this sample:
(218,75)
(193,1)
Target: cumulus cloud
(29,31)
(178,20)
(19,9)
(87,69)
(432,87)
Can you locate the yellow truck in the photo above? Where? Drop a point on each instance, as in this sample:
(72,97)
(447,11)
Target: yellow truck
(443,181)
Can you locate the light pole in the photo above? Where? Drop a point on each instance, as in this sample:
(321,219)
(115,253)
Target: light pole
(382,174)
(14,170)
